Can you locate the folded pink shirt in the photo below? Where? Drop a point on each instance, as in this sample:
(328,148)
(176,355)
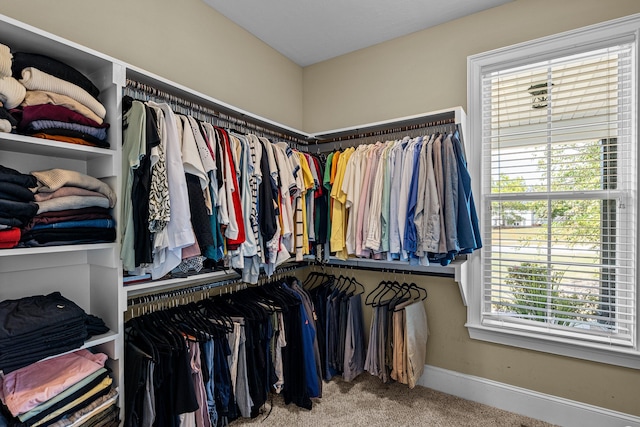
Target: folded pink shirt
(66,191)
(28,387)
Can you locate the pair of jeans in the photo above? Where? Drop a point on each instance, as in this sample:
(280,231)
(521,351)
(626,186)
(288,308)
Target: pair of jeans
(208,348)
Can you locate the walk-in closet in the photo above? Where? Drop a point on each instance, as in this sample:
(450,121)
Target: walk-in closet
(208,218)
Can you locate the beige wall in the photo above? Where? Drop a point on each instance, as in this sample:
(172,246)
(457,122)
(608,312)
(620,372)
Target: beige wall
(426,70)
(185,41)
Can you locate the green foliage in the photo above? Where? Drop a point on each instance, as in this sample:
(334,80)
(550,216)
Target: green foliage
(537,296)
(509,210)
(572,167)
(579,169)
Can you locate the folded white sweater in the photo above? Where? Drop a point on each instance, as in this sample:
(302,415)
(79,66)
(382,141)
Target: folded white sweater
(11,92)
(5,126)
(34,79)
(5,61)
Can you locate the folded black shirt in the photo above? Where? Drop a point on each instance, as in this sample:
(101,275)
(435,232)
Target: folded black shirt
(15,177)
(22,60)
(30,314)
(15,192)
(76,235)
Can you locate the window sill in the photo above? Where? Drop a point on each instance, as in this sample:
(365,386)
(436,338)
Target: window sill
(628,358)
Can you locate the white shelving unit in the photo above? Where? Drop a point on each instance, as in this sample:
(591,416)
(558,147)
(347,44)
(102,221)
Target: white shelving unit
(87,274)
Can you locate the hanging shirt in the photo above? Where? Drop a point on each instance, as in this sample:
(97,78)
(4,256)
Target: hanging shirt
(362,200)
(386,205)
(352,186)
(418,219)
(373,238)
(308,184)
(450,174)
(468,229)
(133,150)
(287,185)
(374,159)
(338,244)
(410,232)
(438,172)
(191,159)
(235,232)
(159,203)
(396,158)
(168,244)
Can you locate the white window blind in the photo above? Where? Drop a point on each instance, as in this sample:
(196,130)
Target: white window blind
(559,189)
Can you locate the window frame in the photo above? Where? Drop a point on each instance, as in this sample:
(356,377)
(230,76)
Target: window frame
(564,44)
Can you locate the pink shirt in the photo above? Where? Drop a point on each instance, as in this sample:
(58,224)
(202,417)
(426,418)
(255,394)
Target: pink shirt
(363,204)
(28,387)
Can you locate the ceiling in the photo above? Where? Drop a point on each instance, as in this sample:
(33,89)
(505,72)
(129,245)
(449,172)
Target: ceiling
(310,31)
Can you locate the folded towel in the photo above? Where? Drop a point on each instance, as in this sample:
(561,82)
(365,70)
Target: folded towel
(5,61)
(53,179)
(40,97)
(22,60)
(12,93)
(34,79)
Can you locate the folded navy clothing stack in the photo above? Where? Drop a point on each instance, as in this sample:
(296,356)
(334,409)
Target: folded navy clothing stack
(17,206)
(36,327)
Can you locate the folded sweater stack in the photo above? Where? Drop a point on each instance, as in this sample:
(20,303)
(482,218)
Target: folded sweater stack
(55,390)
(73,208)
(54,207)
(49,99)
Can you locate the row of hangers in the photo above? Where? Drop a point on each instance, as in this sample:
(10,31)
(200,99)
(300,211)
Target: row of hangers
(208,318)
(165,300)
(347,285)
(386,135)
(395,295)
(144,92)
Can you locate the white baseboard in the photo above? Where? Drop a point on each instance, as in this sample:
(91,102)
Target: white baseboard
(545,407)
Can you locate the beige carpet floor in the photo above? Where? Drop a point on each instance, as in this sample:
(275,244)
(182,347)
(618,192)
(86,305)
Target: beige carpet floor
(368,402)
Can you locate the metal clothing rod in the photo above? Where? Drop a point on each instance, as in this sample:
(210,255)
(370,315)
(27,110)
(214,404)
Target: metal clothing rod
(142,91)
(388,127)
(182,292)
(393,130)
(385,135)
(187,292)
(382,270)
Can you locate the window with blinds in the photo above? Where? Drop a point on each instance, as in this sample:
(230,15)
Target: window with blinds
(559,196)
